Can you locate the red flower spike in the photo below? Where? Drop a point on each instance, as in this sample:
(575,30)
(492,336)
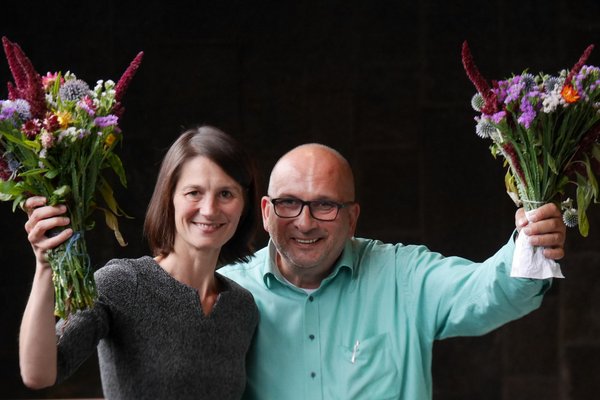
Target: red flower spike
(28,82)
(33,92)
(128,76)
(15,66)
(577,67)
(124,82)
(491,102)
(13,93)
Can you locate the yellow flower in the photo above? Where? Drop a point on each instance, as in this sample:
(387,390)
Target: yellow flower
(569,94)
(64,119)
(110,139)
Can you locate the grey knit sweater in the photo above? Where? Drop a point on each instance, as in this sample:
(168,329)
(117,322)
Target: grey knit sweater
(154,341)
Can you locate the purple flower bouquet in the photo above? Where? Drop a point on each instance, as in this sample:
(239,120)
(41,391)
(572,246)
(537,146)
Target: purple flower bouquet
(547,129)
(57,139)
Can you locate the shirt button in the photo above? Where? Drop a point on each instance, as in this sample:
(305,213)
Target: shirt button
(310,298)
(312,374)
(311,337)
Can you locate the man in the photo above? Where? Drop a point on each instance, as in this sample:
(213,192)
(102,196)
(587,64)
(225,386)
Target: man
(349,318)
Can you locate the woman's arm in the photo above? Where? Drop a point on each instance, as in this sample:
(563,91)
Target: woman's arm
(37,338)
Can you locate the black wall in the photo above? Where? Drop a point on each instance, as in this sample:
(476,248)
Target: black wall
(382,81)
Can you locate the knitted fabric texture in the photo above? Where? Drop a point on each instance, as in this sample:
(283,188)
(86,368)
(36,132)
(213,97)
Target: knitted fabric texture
(153,338)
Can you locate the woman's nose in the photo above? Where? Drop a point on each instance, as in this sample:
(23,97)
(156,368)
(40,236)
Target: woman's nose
(208,206)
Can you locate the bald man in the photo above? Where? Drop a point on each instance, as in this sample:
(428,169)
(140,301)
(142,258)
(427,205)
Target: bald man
(350,318)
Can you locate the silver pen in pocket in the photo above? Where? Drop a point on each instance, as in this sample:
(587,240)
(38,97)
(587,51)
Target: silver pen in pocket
(354,351)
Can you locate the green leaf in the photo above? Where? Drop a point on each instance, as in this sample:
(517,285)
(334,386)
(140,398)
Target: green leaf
(584,224)
(28,144)
(115,163)
(33,172)
(583,201)
(59,195)
(592,179)
(552,164)
(5,197)
(51,174)
(7,189)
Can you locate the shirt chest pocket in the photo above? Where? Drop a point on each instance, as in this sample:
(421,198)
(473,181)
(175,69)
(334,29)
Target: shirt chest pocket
(368,369)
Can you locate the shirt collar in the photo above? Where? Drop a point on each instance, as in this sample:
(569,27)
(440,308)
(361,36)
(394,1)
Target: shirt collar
(271,272)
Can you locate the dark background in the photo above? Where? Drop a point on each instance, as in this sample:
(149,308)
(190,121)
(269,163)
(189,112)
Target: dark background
(382,81)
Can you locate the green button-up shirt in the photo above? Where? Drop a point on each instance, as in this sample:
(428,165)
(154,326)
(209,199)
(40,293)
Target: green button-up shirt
(367,332)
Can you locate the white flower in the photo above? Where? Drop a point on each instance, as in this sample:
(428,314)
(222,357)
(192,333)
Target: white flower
(552,100)
(98,87)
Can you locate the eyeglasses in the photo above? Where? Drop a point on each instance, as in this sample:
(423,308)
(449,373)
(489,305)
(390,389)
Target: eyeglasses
(321,210)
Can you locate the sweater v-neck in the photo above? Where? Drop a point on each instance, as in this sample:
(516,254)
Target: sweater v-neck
(165,277)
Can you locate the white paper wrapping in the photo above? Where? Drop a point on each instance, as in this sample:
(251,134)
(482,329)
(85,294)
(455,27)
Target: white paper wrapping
(529,261)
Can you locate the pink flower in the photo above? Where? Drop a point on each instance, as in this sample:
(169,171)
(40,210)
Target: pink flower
(49,79)
(47,140)
(87,104)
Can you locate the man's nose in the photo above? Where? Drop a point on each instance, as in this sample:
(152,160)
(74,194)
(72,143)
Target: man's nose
(305,220)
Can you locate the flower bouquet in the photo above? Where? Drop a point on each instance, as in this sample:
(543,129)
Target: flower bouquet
(547,129)
(57,139)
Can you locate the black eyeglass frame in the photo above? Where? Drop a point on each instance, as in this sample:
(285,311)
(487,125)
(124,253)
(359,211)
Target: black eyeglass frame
(303,203)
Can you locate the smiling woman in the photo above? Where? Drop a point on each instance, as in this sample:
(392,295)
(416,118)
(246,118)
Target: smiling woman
(208,205)
(165,326)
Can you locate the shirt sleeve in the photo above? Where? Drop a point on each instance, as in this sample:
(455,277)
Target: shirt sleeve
(78,336)
(453,296)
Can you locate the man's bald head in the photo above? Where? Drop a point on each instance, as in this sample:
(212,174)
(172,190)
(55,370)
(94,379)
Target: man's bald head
(314,164)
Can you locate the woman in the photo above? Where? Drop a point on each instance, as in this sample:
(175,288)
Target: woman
(168,326)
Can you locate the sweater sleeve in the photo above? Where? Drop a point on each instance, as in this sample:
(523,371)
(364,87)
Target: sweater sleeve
(78,336)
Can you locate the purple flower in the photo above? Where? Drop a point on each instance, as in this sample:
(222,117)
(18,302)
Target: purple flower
(500,91)
(109,120)
(87,105)
(527,118)
(514,90)
(7,111)
(20,107)
(498,117)
(528,111)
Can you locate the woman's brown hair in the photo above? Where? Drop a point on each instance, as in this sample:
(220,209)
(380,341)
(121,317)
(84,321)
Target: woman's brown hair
(227,153)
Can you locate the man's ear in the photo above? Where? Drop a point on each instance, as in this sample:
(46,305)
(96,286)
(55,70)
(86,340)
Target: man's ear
(266,208)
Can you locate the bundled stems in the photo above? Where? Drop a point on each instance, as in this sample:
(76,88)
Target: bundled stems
(74,286)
